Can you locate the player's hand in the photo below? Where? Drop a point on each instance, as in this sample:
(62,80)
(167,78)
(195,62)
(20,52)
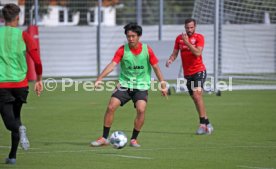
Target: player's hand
(38,88)
(168,62)
(164,89)
(185,38)
(164,92)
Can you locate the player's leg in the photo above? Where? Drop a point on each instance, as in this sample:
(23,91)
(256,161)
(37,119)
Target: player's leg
(24,141)
(7,114)
(140,101)
(6,110)
(200,80)
(118,98)
(140,116)
(205,125)
(21,95)
(195,86)
(199,104)
(195,93)
(114,103)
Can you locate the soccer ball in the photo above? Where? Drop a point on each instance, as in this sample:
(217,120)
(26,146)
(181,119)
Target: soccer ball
(118,139)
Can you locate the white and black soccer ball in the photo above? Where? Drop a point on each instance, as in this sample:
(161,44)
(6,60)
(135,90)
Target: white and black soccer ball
(118,139)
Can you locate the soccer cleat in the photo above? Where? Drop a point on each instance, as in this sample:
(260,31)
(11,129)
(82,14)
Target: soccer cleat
(134,143)
(10,161)
(209,128)
(100,142)
(202,129)
(25,144)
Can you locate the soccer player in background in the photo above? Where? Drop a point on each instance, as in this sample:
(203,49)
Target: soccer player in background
(13,77)
(190,45)
(136,60)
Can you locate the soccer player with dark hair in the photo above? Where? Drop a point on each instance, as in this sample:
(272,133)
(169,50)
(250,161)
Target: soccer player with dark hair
(13,77)
(136,60)
(190,45)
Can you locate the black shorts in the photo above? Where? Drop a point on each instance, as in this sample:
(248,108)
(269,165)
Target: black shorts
(125,94)
(14,94)
(195,80)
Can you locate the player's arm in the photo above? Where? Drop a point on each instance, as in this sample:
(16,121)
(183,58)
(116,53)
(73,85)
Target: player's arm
(154,64)
(38,85)
(196,50)
(109,68)
(174,54)
(172,57)
(159,76)
(32,50)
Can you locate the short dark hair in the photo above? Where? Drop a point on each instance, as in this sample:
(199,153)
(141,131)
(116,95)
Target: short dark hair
(190,20)
(10,11)
(134,27)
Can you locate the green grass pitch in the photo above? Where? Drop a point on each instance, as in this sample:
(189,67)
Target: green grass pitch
(60,126)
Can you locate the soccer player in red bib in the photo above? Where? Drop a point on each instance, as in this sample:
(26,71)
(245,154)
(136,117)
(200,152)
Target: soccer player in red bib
(136,60)
(13,77)
(190,45)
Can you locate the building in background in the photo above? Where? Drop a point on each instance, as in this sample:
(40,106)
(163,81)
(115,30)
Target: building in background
(58,14)
(20,3)
(108,13)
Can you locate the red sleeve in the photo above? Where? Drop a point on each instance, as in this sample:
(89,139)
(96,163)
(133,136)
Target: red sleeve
(30,42)
(32,50)
(176,43)
(152,58)
(200,41)
(118,54)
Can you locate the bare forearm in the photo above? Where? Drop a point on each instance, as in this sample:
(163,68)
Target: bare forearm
(173,55)
(109,68)
(159,76)
(163,83)
(172,58)
(158,73)
(196,51)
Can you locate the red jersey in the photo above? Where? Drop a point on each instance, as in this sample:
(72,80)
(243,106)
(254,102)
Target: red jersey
(191,63)
(32,50)
(120,53)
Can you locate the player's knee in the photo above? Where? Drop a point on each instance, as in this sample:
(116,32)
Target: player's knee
(111,108)
(197,95)
(140,111)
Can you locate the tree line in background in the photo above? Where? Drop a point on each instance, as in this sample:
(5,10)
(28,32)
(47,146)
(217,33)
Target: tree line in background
(175,11)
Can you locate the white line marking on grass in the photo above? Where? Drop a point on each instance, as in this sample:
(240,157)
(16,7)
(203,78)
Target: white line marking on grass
(244,166)
(50,152)
(136,157)
(82,151)
(145,149)
(29,108)
(8,147)
(207,147)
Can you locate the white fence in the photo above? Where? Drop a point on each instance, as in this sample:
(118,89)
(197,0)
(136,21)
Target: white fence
(71,51)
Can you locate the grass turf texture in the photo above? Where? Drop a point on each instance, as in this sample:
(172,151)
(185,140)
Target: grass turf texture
(60,126)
